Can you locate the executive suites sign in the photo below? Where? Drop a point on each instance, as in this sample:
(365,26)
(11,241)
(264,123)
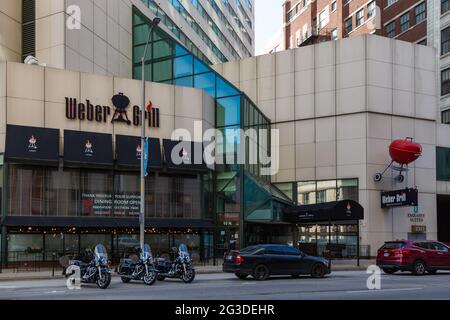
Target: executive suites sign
(399,198)
(88,111)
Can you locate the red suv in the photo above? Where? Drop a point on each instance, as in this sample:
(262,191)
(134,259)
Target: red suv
(418,256)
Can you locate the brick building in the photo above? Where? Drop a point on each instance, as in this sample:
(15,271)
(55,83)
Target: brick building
(313,21)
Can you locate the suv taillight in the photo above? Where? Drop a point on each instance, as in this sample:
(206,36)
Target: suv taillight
(239,259)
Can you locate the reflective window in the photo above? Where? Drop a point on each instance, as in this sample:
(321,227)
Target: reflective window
(207,82)
(443,164)
(183,66)
(228,111)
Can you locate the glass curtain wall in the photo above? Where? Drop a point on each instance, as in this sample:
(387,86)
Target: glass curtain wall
(170,62)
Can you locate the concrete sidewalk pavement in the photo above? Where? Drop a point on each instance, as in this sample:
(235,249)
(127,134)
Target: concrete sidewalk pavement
(45,273)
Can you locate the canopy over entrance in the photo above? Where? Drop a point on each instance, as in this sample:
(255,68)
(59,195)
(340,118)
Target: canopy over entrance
(344,210)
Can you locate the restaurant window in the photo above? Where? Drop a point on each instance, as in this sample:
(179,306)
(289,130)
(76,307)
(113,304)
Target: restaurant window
(443,164)
(390,30)
(359,17)
(306,193)
(25,247)
(445,82)
(313,192)
(445,41)
(404,22)
(421,12)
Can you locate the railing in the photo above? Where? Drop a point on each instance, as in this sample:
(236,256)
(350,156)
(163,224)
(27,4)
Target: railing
(324,33)
(336,251)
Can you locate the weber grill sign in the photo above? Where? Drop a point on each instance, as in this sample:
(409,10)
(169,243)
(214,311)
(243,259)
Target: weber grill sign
(399,198)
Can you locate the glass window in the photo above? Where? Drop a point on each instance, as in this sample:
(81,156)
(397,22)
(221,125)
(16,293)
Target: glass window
(347,190)
(360,17)
(199,67)
(443,164)
(323,19)
(446,116)
(287,189)
(306,193)
(371,9)
(224,89)
(228,111)
(421,12)
(333,6)
(445,41)
(207,82)
(390,30)
(445,6)
(183,66)
(25,247)
(184,82)
(348,25)
(445,82)
(326,191)
(162,70)
(89,241)
(334,34)
(390,2)
(97,196)
(404,22)
(162,49)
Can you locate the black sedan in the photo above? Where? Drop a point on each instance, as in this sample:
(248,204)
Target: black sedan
(263,261)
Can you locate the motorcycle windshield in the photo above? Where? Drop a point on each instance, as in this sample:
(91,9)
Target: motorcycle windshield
(183,251)
(100,253)
(147,254)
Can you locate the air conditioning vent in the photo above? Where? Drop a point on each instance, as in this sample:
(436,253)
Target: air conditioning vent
(28,28)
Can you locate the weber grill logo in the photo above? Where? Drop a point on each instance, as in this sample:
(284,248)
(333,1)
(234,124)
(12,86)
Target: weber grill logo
(88,111)
(399,198)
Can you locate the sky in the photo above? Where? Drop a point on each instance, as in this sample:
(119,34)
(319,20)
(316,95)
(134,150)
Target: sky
(269,20)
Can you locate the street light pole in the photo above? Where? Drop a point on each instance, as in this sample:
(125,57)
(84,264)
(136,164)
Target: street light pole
(154,23)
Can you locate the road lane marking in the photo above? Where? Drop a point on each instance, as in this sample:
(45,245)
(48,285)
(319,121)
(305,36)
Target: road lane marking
(384,290)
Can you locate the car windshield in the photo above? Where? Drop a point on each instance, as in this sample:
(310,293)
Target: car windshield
(393,245)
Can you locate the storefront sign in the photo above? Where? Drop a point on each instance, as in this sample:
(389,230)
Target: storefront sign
(416,217)
(88,111)
(399,198)
(418,229)
(87,148)
(31,144)
(100,204)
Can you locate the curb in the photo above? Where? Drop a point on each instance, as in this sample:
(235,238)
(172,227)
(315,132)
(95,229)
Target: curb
(32,278)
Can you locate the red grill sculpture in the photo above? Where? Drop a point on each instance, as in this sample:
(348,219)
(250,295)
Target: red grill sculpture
(402,152)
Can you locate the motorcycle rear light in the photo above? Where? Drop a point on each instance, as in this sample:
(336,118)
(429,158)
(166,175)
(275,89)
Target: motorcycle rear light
(239,259)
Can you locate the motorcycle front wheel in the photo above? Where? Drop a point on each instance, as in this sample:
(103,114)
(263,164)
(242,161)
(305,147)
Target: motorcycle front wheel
(149,278)
(103,280)
(188,276)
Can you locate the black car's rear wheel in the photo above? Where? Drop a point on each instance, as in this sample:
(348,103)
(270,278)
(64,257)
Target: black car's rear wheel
(241,276)
(419,268)
(261,272)
(318,271)
(389,270)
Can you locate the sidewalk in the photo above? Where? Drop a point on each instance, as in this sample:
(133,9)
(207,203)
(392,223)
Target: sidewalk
(46,274)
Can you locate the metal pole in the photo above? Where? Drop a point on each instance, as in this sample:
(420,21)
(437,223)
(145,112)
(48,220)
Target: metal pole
(357,246)
(142,211)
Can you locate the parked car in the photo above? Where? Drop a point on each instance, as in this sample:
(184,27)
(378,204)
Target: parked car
(263,261)
(417,256)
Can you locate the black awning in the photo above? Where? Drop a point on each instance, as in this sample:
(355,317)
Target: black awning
(331,211)
(32,145)
(87,149)
(187,156)
(102,222)
(128,150)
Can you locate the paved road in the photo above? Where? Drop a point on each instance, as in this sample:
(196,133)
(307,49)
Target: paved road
(338,285)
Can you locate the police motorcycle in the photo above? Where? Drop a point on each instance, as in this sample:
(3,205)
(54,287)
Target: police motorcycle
(91,267)
(180,268)
(138,267)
